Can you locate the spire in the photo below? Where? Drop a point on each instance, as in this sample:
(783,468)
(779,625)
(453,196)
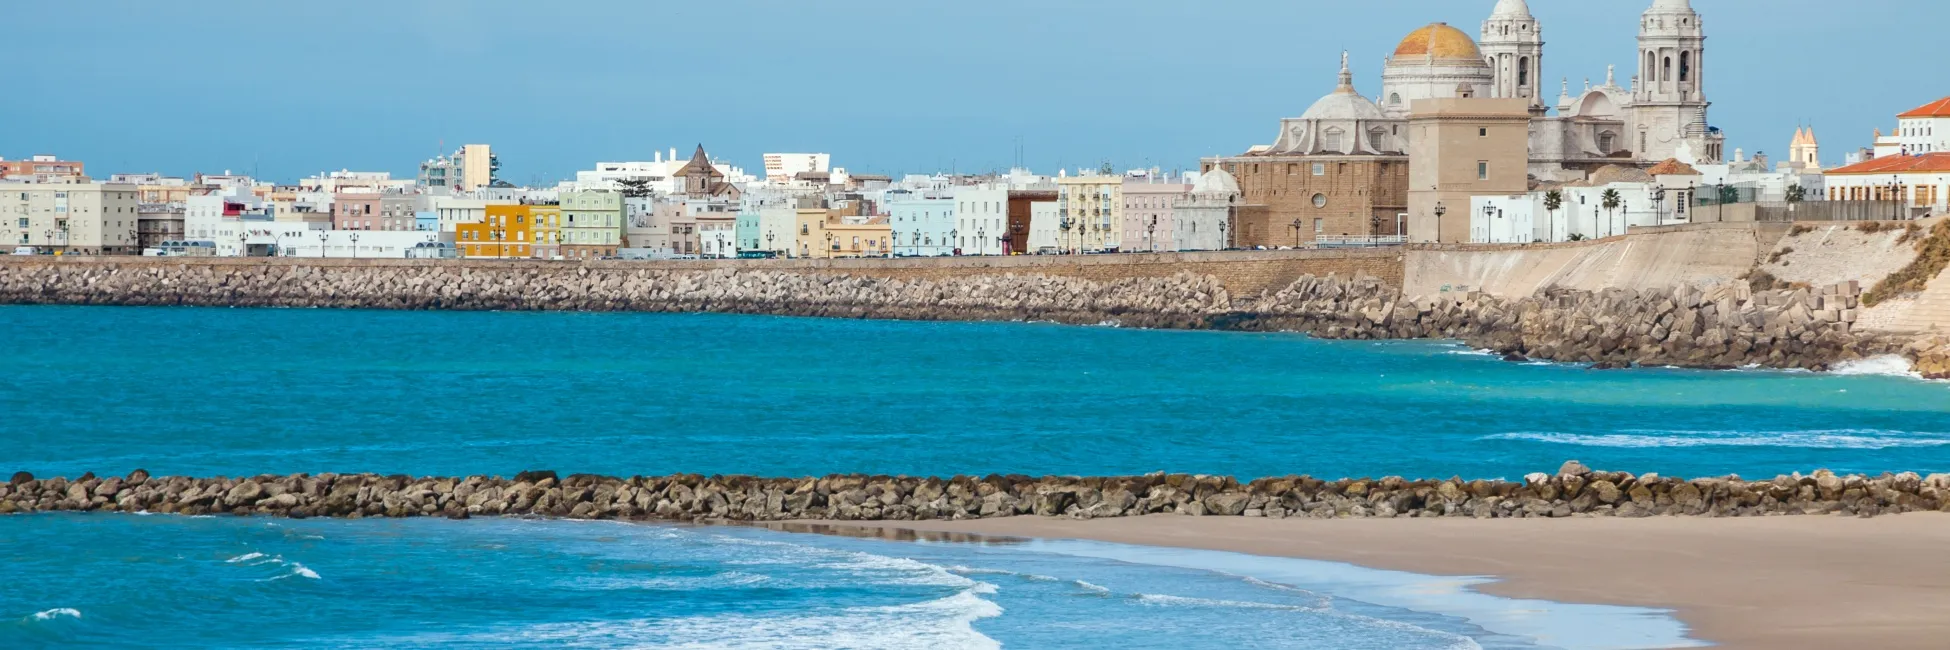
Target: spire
(1347,77)
(1610,75)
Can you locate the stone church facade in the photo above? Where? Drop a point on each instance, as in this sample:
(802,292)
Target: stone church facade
(1341,167)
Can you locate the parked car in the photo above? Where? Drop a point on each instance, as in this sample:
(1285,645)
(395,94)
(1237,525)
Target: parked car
(26,250)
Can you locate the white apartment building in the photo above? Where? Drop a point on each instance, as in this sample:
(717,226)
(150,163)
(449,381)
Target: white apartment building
(783,167)
(75,217)
(981,218)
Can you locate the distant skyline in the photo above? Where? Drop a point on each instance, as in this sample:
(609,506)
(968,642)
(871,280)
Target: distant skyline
(291,89)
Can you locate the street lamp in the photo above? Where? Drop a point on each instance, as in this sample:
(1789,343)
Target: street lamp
(721,254)
(981,240)
(355,244)
(1223,243)
(1064,226)
(1489,212)
(954,240)
(243,245)
(1439,211)
(1374,230)
(322,236)
(1658,206)
(1296,232)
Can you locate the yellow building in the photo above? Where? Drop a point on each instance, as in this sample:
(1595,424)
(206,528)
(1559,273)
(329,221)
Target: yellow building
(1088,210)
(548,231)
(506,232)
(822,235)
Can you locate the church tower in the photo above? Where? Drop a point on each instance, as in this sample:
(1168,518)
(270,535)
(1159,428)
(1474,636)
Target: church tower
(1669,97)
(1513,46)
(1804,154)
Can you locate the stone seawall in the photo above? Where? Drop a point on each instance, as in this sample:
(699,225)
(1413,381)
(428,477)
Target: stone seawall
(1724,326)
(1573,491)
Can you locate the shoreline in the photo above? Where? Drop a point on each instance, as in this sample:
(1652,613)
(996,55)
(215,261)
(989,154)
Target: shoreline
(1771,582)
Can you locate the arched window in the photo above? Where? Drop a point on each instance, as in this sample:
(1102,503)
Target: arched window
(1395,99)
(1523,71)
(1375,140)
(1331,139)
(1651,68)
(1605,143)
(1665,69)
(1685,66)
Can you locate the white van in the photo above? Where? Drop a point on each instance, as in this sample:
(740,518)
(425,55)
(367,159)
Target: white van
(26,250)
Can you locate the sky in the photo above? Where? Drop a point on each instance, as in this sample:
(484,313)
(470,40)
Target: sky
(287,89)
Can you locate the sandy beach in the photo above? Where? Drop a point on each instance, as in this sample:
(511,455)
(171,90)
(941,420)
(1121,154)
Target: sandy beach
(1768,582)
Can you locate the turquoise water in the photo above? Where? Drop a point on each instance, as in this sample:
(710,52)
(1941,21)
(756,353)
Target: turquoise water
(236,391)
(217,391)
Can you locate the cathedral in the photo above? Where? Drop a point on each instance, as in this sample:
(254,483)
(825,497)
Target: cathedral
(1660,115)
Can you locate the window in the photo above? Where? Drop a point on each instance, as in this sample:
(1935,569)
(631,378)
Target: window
(1685,66)
(1604,143)
(1482,170)
(1331,140)
(1320,200)
(1320,169)
(1320,225)
(1482,132)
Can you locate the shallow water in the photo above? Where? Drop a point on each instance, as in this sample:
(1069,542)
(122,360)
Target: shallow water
(214,582)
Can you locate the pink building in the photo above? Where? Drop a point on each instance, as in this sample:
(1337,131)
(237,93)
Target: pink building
(1147,223)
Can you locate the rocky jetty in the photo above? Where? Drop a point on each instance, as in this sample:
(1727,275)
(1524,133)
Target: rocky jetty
(1573,491)
(1723,326)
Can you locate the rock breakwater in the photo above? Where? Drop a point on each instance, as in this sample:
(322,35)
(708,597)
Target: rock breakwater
(1572,491)
(1727,325)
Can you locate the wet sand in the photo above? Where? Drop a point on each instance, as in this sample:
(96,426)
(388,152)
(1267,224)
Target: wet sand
(1763,582)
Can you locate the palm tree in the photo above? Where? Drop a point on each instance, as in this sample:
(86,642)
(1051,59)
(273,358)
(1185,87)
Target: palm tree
(1553,200)
(1610,200)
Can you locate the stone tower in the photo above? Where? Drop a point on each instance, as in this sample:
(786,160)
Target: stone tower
(1669,99)
(1513,45)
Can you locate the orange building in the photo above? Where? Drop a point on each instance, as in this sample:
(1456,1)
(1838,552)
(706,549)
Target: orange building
(508,231)
(42,166)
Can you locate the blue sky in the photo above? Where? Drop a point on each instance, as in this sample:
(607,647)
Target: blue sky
(292,88)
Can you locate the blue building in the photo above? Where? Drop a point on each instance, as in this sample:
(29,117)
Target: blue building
(923,223)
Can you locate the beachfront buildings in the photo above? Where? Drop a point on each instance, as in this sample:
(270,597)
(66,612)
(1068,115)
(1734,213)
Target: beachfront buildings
(505,231)
(1088,209)
(592,223)
(70,217)
(1146,224)
(922,222)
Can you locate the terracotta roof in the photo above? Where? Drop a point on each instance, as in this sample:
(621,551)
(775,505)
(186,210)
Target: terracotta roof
(1924,164)
(1938,108)
(1672,167)
(1609,174)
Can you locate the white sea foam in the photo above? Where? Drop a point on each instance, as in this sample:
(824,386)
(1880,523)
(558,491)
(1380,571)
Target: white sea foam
(1871,439)
(968,571)
(1472,353)
(57,613)
(1182,601)
(946,623)
(244,558)
(1092,588)
(1887,365)
(302,571)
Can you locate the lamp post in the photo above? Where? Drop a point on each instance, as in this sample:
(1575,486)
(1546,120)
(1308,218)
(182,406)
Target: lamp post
(768,241)
(1682,209)
(1658,206)
(981,240)
(1895,200)
(1439,211)
(1151,235)
(355,245)
(1223,242)
(49,236)
(954,241)
(322,236)
(1374,230)
(1296,232)
(1624,216)
(243,245)
(1489,212)
(1064,225)
(721,254)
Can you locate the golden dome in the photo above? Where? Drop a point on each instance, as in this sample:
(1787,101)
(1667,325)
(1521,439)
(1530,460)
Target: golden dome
(1440,40)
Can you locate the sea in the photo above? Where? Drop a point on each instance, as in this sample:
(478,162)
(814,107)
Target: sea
(248,391)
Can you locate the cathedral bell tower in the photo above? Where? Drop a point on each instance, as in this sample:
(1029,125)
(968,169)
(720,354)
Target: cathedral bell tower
(1669,99)
(1513,46)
